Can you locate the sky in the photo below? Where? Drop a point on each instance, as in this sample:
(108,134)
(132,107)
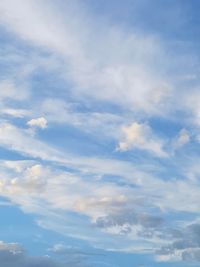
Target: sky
(99,133)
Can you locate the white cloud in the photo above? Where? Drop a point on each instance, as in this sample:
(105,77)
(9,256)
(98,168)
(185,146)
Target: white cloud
(113,209)
(175,256)
(119,65)
(182,139)
(11,247)
(39,123)
(21,141)
(17,113)
(139,135)
(104,63)
(101,124)
(187,254)
(83,193)
(9,90)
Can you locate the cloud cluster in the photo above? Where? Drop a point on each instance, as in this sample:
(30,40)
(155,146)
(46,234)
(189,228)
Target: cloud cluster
(127,212)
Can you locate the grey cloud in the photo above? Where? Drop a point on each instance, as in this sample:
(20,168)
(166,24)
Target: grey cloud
(185,242)
(9,259)
(129,217)
(186,245)
(191,255)
(12,255)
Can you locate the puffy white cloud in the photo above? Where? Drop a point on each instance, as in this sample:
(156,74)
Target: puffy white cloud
(39,123)
(139,135)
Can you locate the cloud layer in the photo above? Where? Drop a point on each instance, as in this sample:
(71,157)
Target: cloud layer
(99,131)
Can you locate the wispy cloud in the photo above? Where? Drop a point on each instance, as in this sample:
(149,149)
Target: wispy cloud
(117,161)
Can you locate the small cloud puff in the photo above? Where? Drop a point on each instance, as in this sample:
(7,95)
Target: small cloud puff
(39,123)
(140,136)
(182,139)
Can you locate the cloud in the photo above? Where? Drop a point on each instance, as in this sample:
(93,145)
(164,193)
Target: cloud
(101,124)
(105,212)
(182,139)
(129,217)
(12,255)
(9,90)
(20,140)
(139,135)
(103,77)
(186,247)
(11,247)
(127,222)
(39,123)
(100,61)
(69,193)
(76,254)
(128,208)
(17,113)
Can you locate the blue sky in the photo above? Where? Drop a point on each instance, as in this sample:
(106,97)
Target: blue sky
(99,133)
